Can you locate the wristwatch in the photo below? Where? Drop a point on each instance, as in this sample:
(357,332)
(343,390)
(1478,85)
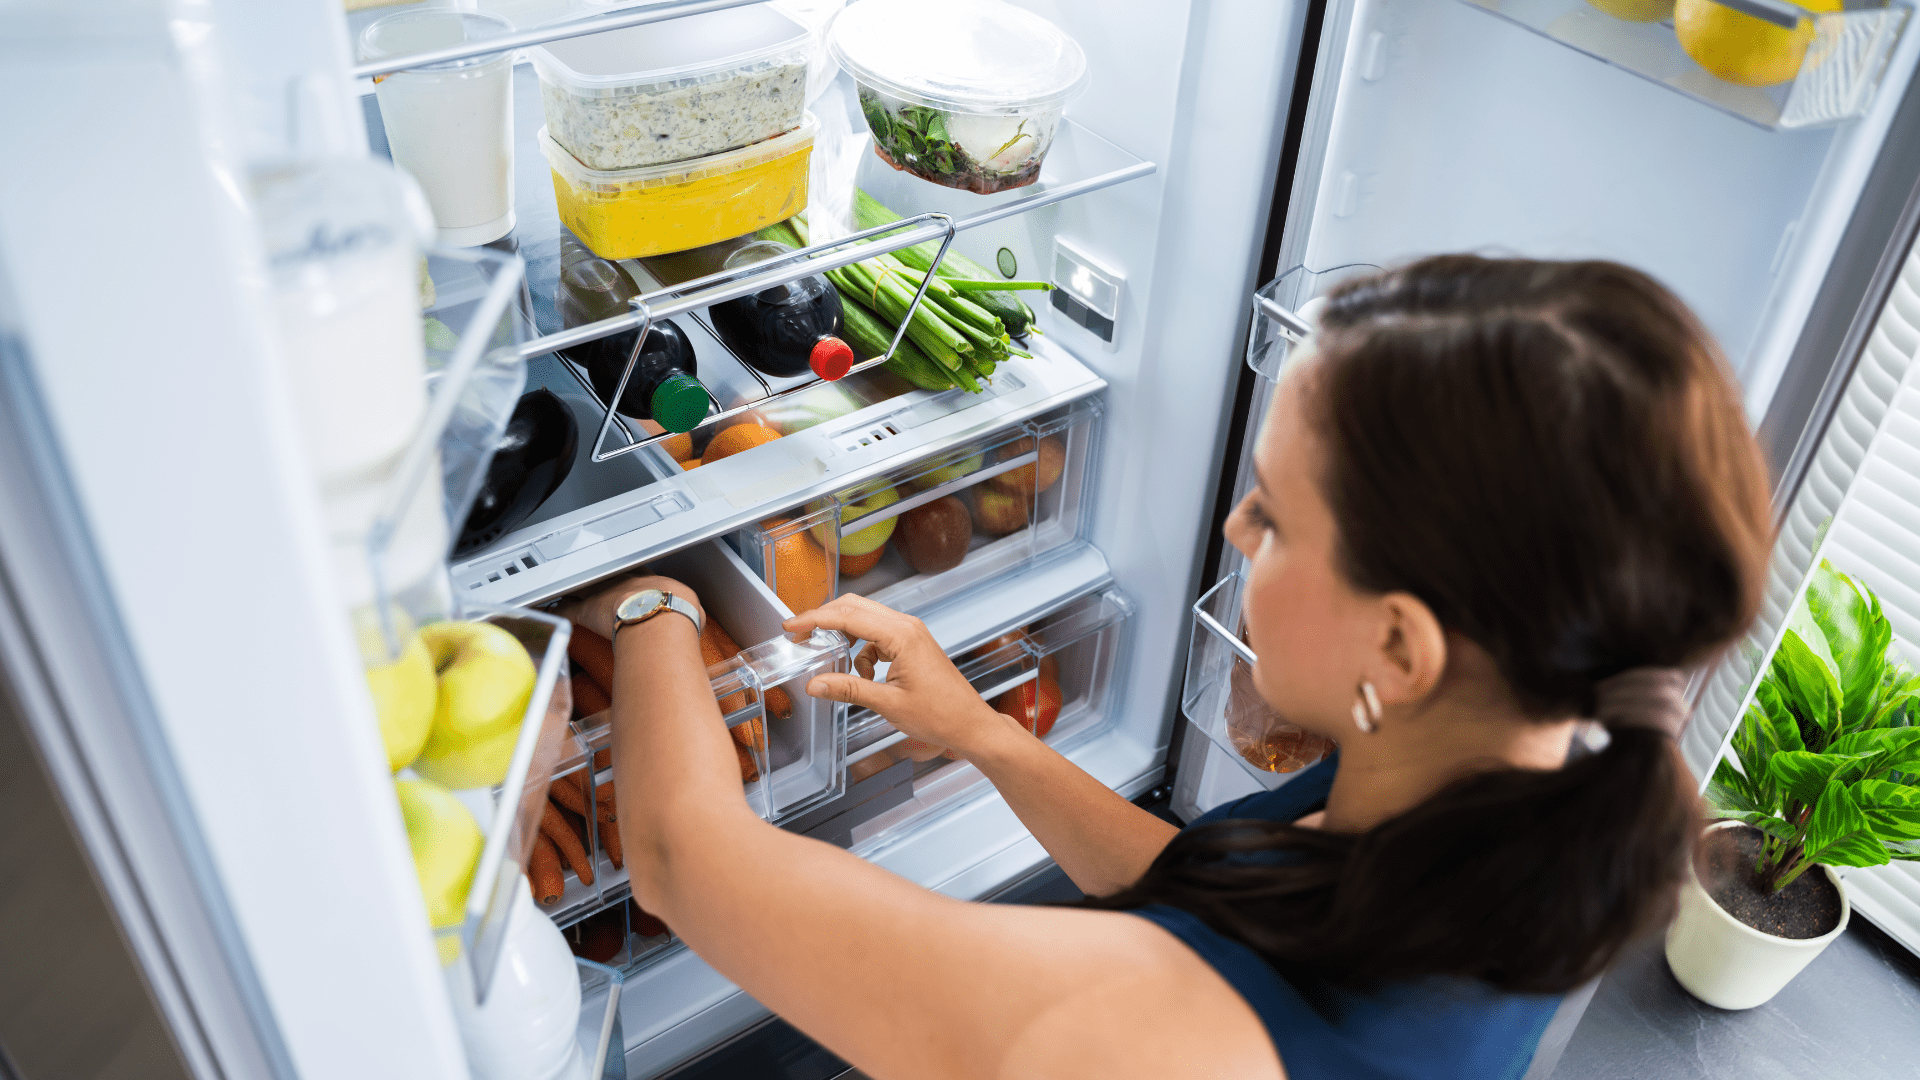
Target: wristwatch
(647,603)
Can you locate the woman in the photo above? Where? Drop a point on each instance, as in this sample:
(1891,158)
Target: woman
(1497,498)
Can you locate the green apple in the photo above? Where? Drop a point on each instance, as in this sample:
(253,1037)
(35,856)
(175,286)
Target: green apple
(857,503)
(446,844)
(946,474)
(404,694)
(486,679)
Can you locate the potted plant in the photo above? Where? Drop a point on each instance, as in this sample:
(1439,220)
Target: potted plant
(1828,775)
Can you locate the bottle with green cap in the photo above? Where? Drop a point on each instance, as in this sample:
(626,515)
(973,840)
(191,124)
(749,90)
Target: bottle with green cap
(665,387)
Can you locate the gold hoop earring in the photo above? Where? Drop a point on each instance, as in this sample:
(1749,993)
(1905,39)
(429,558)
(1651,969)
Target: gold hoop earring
(1366,709)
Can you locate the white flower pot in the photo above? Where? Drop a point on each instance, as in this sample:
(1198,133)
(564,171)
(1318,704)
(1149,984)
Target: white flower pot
(1726,963)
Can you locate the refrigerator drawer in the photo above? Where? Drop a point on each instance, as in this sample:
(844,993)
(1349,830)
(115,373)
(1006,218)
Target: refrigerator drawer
(796,744)
(1059,670)
(940,524)
(1221,701)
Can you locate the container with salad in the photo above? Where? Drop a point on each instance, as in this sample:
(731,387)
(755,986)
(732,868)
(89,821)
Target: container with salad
(976,111)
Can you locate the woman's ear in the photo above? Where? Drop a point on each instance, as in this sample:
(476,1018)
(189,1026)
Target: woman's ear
(1412,654)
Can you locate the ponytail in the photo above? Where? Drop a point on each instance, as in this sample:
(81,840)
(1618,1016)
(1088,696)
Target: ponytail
(1553,457)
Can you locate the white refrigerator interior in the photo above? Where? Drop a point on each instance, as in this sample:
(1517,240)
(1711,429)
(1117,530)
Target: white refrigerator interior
(1432,125)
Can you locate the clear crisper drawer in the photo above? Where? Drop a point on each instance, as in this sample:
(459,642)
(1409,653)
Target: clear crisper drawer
(792,747)
(1221,701)
(1056,674)
(941,524)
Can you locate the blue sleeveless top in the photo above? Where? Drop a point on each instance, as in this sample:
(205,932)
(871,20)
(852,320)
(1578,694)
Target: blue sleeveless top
(1429,1028)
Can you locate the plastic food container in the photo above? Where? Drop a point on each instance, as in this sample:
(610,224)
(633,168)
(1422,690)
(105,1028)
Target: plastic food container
(670,91)
(965,93)
(629,213)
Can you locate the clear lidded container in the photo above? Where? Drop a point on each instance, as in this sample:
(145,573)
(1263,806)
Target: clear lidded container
(671,91)
(976,113)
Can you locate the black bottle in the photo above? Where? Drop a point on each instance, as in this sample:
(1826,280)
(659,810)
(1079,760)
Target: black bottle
(786,330)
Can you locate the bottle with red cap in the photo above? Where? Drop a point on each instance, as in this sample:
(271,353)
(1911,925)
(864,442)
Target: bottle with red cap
(784,330)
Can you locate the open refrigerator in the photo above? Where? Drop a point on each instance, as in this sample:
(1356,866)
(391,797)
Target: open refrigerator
(205,715)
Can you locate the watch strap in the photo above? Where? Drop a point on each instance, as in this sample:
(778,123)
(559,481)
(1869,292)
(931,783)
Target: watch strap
(672,603)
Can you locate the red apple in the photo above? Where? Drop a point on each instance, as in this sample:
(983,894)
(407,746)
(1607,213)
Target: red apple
(1035,705)
(1035,478)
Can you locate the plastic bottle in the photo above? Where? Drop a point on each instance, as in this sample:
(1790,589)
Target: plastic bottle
(785,330)
(665,387)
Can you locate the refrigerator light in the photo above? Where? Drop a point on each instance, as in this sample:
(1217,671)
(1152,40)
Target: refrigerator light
(1086,292)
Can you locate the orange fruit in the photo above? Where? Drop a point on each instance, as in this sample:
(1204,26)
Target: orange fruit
(737,438)
(802,574)
(679,447)
(855,565)
(691,464)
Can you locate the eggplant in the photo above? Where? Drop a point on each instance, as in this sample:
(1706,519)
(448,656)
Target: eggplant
(530,462)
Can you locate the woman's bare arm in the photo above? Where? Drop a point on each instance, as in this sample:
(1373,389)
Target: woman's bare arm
(1102,841)
(899,980)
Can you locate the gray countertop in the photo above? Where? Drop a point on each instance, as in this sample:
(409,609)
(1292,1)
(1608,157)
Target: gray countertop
(1854,1013)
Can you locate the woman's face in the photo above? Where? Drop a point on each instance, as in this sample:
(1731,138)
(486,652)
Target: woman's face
(1312,631)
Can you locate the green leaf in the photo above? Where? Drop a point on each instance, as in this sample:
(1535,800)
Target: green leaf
(1839,834)
(1771,824)
(1857,635)
(1893,809)
(1729,790)
(1806,680)
(1889,748)
(1805,776)
(1903,850)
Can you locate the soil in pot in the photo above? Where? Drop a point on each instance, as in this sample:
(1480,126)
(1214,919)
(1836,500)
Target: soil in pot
(1807,908)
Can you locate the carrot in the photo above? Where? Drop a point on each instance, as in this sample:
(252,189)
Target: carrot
(610,839)
(588,698)
(565,790)
(555,828)
(569,791)
(749,733)
(593,653)
(749,772)
(543,872)
(716,647)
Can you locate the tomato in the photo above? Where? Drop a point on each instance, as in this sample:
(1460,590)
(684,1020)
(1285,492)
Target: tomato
(1036,704)
(981,652)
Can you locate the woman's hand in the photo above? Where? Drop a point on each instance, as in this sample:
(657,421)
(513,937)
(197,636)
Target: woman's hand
(924,695)
(595,612)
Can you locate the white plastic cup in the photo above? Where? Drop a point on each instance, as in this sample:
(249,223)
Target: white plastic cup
(450,125)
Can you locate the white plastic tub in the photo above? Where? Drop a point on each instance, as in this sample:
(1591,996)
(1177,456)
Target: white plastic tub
(964,93)
(669,91)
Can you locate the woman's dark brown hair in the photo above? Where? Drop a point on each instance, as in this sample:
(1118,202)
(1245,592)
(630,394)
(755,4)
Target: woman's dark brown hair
(1553,457)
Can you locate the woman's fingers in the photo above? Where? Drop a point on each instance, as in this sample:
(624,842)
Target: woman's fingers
(854,690)
(858,618)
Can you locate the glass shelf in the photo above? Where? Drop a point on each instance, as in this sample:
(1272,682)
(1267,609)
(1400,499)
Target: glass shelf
(1080,162)
(1836,81)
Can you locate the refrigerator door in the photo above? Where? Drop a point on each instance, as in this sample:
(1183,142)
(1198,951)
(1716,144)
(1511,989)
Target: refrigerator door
(276,856)
(1495,127)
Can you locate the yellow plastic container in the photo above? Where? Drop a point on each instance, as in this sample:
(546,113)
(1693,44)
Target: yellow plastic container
(655,209)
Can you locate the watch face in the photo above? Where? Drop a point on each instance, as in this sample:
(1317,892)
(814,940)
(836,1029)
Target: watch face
(645,602)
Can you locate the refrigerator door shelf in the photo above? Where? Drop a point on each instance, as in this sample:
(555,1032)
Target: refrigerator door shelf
(509,813)
(566,547)
(1279,323)
(969,513)
(1835,81)
(1232,716)
(797,743)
